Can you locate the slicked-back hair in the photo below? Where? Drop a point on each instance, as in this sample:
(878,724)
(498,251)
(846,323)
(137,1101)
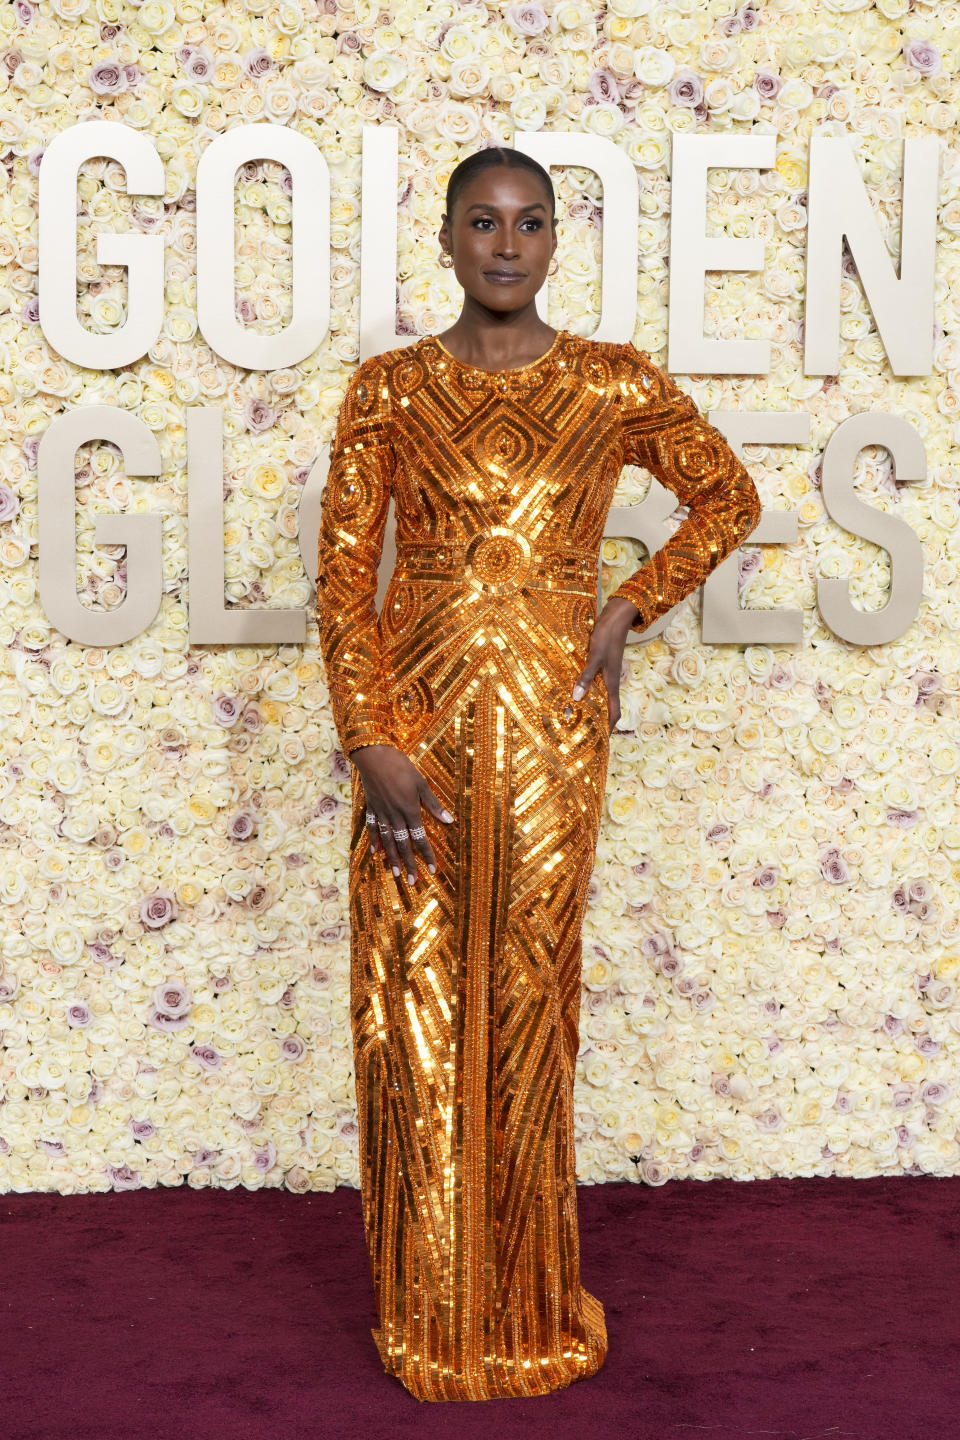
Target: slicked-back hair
(493,155)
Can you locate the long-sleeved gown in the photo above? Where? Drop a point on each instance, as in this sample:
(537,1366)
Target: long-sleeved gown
(465,987)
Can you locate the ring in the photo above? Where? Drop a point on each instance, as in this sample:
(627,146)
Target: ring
(400,834)
(418,832)
(384,826)
(371,818)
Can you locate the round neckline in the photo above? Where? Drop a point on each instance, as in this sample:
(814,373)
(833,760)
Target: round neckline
(513,370)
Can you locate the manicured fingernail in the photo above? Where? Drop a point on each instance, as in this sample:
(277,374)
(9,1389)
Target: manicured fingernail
(412,878)
(578,692)
(445,815)
(396,869)
(432,869)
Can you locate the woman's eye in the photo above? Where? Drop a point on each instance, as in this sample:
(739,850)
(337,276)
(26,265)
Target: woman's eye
(485,219)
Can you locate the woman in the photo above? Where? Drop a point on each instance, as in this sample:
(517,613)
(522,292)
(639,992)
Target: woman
(480,743)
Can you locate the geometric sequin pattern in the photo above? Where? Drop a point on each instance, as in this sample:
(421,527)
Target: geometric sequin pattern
(465,988)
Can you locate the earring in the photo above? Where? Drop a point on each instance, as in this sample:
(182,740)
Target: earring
(554,271)
(446,260)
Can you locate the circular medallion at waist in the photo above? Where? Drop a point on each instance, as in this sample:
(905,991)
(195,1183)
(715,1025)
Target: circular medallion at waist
(497,561)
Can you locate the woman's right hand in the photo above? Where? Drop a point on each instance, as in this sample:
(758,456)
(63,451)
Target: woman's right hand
(394,791)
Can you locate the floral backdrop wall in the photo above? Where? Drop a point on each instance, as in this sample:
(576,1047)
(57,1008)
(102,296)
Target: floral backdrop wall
(772,949)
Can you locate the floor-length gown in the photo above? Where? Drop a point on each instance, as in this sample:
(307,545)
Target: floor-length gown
(465,987)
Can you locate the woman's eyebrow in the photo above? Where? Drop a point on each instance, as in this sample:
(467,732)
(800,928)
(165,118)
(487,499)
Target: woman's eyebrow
(537,205)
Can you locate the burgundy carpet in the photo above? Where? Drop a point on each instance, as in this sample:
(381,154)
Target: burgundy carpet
(819,1309)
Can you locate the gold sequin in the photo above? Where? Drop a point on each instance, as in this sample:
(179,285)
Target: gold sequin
(465,988)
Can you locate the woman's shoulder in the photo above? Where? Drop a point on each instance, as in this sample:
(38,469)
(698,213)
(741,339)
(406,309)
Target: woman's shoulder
(372,375)
(374,379)
(621,360)
(366,399)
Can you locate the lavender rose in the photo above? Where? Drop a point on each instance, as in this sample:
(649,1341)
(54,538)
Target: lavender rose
(9,503)
(257,62)
(686,88)
(527,19)
(258,415)
(767,85)
(197,63)
(655,944)
(158,909)
(173,998)
(604,87)
(259,899)
(923,56)
(206,1056)
(108,78)
(102,953)
(242,826)
(123,1177)
(833,867)
(264,1160)
(226,708)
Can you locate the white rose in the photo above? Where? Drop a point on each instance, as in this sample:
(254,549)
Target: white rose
(383,70)
(654,67)
(154,16)
(528,112)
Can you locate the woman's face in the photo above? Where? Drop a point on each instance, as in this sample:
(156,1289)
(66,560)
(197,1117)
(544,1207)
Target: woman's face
(501,223)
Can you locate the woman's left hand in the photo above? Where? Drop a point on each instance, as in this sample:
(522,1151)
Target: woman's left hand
(607,641)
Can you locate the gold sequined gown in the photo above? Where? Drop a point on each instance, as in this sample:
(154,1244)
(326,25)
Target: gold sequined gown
(465,988)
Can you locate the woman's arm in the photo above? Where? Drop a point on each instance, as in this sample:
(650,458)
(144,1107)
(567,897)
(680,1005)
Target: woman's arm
(352,522)
(663,431)
(353,519)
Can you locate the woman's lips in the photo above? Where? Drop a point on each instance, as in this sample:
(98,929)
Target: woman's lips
(501,279)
